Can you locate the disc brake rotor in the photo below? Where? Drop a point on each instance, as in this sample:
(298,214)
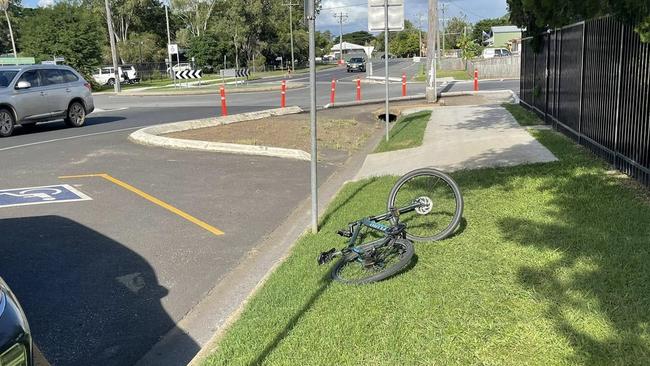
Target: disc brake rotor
(426,205)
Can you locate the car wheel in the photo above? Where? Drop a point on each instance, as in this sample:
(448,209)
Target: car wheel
(7,123)
(110,82)
(76,115)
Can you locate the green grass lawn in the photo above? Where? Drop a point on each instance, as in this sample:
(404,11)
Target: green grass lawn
(522,115)
(550,267)
(456,74)
(407,133)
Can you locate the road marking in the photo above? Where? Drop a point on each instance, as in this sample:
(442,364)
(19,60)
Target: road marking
(151,199)
(69,138)
(40,195)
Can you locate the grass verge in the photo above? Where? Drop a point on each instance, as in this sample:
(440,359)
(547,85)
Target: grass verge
(407,133)
(522,115)
(551,268)
(456,74)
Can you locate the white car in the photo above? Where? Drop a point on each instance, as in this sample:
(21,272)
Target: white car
(106,76)
(496,52)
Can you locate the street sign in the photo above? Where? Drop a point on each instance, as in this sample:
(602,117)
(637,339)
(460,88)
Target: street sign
(39,195)
(228,73)
(376,15)
(242,73)
(172,48)
(189,74)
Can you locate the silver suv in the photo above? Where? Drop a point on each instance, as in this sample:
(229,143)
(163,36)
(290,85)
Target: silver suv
(37,93)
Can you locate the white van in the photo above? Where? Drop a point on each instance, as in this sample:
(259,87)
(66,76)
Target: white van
(496,52)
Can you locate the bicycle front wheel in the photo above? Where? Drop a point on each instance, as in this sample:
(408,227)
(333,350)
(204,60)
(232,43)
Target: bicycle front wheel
(440,204)
(376,265)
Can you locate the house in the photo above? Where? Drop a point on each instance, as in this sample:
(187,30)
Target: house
(507,36)
(351,49)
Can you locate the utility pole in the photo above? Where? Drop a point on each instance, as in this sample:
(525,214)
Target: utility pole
(420,30)
(341,17)
(169,42)
(310,15)
(443,7)
(386,56)
(111,35)
(293,61)
(431,91)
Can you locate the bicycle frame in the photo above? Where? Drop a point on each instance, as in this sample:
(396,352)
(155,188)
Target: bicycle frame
(373,222)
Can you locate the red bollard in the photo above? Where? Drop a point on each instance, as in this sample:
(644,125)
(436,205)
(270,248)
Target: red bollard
(224,108)
(283,100)
(333,93)
(403,84)
(475,79)
(358,90)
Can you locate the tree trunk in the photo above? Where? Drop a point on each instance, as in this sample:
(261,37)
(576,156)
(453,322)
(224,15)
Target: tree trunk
(11,33)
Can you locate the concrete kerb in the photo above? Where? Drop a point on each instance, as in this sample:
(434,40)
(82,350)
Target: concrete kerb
(151,136)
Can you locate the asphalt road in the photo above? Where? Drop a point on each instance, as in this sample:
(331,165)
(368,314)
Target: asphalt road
(103,280)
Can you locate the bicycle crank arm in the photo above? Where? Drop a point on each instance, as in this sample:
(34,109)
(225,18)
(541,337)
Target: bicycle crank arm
(326,257)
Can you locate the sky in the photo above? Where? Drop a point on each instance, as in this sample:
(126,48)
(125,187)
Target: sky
(357,11)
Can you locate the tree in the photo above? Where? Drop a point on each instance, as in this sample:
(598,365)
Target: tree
(67,30)
(406,43)
(4,5)
(208,50)
(142,47)
(195,14)
(358,37)
(455,29)
(485,26)
(537,16)
(470,48)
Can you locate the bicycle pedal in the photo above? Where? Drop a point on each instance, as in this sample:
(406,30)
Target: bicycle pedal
(325,257)
(345,233)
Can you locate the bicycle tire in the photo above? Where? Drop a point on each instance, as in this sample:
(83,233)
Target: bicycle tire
(406,249)
(415,185)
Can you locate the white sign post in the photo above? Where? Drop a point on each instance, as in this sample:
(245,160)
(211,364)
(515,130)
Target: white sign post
(386,15)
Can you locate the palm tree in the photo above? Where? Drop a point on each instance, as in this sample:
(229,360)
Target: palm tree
(4,5)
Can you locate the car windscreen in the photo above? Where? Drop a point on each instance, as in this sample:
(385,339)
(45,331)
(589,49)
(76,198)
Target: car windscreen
(356,60)
(6,76)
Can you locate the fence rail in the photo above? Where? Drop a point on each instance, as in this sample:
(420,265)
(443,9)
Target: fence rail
(591,80)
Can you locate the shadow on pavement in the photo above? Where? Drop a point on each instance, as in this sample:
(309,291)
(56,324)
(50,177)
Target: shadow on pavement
(60,125)
(89,299)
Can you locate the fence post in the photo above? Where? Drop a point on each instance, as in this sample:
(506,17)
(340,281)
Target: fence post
(619,95)
(547,73)
(582,82)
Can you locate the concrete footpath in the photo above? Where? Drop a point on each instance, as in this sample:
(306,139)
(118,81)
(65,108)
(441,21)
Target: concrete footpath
(463,137)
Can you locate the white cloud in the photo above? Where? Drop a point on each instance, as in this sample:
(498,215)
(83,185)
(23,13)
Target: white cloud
(45,3)
(356,11)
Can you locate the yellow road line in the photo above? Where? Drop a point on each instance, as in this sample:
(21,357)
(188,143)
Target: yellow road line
(152,199)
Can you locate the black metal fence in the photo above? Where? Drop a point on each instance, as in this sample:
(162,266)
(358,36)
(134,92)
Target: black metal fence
(591,80)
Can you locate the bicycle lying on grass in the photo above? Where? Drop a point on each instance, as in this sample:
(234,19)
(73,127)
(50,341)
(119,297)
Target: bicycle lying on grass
(426,201)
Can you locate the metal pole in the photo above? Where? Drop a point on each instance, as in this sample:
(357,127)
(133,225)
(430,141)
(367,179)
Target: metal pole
(293,61)
(444,29)
(432,94)
(312,114)
(341,38)
(169,41)
(386,64)
(111,36)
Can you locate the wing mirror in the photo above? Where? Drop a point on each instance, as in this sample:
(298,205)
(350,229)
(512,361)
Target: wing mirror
(23,85)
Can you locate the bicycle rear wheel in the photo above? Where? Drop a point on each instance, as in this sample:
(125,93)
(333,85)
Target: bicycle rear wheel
(441,204)
(381,263)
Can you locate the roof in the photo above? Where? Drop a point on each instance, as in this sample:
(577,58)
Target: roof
(33,67)
(506,29)
(347,46)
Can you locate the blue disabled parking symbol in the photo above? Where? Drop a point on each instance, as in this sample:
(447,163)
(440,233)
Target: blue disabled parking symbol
(40,195)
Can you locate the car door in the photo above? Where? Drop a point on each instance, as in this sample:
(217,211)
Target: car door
(29,102)
(55,94)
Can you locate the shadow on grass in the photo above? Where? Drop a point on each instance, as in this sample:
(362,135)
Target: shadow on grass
(325,281)
(335,209)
